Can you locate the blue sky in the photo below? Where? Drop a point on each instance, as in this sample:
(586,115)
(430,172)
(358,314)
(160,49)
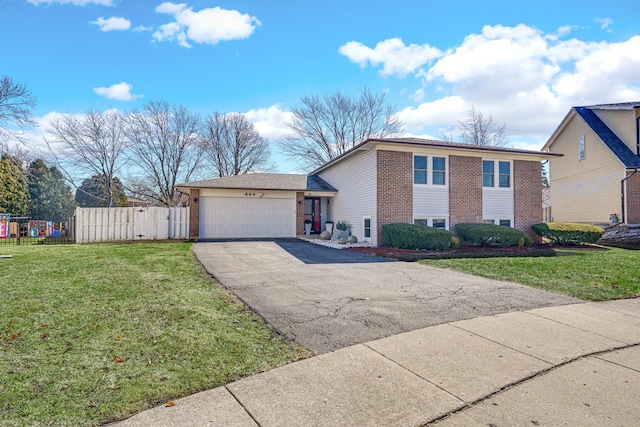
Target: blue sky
(524,62)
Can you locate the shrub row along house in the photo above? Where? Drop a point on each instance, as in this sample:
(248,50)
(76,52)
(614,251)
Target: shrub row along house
(378,182)
(597,179)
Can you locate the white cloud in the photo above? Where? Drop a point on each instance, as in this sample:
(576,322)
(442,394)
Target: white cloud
(604,23)
(418,95)
(446,110)
(561,32)
(141,28)
(607,73)
(270,122)
(521,76)
(207,26)
(36,138)
(513,53)
(73,2)
(119,91)
(393,54)
(114,23)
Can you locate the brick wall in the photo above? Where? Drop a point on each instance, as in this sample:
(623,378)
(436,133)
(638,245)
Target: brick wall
(299,213)
(394,189)
(527,203)
(465,190)
(194,213)
(632,199)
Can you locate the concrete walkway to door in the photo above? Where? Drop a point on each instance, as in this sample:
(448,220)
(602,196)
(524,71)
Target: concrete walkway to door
(326,299)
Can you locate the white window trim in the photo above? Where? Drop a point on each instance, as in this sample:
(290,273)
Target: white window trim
(582,152)
(496,175)
(430,170)
(431,218)
(496,221)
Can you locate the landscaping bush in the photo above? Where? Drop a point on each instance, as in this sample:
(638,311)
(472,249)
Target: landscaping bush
(567,233)
(492,235)
(414,236)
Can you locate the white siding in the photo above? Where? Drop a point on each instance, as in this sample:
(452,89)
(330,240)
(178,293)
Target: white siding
(355,180)
(430,201)
(497,203)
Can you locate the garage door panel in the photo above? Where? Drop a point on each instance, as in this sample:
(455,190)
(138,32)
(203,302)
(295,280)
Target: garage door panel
(229,217)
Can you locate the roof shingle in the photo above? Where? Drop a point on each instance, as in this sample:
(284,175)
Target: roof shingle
(607,136)
(264,181)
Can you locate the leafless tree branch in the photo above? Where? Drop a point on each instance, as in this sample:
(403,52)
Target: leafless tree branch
(233,145)
(164,146)
(481,130)
(322,128)
(89,144)
(16,109)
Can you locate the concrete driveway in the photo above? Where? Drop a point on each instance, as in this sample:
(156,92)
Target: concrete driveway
(326,299)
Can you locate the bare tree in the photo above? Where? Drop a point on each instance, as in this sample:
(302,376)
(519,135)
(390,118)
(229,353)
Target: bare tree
(16,108)
(481,130)
(322,128)
(89,144)
(233,145)
(165,148)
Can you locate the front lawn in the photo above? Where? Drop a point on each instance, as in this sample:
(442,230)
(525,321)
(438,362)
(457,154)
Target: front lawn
(94,333)
(588,274)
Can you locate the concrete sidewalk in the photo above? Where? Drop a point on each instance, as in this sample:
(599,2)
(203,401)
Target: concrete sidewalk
(569,365)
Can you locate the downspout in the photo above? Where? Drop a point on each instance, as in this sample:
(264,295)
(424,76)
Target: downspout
(638,136)
(635,171)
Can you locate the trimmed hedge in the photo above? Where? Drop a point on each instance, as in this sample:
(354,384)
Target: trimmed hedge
(414,236)
(492,235)
(567,233)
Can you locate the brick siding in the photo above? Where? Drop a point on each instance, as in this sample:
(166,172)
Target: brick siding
(632,199)
(194,213)
(527,203)
(465,190)
(394,189)
(299,213)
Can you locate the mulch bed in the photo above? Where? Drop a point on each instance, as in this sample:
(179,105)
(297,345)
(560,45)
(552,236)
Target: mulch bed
(541,250)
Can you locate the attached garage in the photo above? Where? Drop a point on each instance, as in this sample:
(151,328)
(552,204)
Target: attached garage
(239,216)
(259,205)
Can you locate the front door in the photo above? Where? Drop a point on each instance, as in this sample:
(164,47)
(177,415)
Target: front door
(312,213)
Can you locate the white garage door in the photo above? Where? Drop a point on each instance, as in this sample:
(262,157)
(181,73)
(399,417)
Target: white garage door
(230,217)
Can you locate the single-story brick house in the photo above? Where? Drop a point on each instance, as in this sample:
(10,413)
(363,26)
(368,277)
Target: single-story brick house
(379,181)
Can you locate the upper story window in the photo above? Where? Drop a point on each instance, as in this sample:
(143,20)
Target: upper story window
(581,151)
(438,171)
(419,169)
(496,173)
(487,173)
(504,170)
(430,170)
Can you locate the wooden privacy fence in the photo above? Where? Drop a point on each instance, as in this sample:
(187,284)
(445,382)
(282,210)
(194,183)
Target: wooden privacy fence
(113,224)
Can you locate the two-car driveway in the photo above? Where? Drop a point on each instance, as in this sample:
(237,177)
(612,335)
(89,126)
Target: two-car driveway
(326,299)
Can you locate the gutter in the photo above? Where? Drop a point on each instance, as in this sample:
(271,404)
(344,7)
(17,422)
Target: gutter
(635,171)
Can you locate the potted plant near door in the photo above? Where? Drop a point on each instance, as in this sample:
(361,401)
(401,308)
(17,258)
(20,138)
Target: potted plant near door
(307,226)
(328,225)
(343,229)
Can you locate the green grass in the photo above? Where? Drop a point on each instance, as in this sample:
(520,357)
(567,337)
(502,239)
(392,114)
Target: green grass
(93,333)
(593,275)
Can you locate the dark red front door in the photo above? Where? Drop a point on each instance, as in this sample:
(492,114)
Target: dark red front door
(312,213)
